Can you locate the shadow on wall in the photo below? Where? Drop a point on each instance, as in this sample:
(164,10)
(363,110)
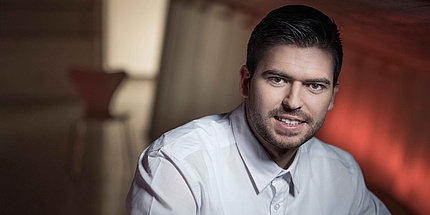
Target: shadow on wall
(381,116)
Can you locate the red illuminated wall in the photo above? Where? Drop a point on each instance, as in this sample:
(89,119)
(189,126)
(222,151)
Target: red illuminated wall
(382,117)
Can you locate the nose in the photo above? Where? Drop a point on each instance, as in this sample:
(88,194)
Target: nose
(293,99)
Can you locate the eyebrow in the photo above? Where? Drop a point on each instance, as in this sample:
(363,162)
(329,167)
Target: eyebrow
(289,77)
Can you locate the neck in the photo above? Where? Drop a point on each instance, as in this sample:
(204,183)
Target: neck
(282,157)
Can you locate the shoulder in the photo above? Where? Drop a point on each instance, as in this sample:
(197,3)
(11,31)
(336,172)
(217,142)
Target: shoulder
(325,154)
(200,134)
(317,147)
(334,168)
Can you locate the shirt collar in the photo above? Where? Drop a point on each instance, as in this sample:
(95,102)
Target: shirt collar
(261,168)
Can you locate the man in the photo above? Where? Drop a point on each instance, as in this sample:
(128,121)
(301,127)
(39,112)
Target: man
(262,158)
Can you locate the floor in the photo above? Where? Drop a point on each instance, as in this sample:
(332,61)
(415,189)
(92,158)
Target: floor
(35,149)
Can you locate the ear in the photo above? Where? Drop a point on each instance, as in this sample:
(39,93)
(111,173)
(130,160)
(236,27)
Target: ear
(335,89)
(245,78)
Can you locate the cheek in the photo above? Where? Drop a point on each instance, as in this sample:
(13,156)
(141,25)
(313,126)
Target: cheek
(262,101)
(269,95)
(319,107)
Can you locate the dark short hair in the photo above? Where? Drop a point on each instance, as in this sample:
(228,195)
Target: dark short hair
(298,25)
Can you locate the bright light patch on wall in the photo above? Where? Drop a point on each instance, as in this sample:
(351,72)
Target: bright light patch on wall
(133,35)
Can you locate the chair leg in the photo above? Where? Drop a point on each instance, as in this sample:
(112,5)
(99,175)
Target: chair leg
(79,148)
(70,146)
(127,133)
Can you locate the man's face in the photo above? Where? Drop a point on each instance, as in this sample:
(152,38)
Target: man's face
(289,95)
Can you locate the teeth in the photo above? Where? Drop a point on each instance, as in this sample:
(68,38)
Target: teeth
(290,122)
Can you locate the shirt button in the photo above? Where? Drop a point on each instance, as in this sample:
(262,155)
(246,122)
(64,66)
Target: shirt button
(277,206)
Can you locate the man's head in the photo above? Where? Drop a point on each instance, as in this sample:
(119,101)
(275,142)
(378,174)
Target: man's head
(298,25)
(290,80)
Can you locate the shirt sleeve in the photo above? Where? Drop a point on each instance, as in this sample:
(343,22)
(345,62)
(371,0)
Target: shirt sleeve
(365,201)
(159,187)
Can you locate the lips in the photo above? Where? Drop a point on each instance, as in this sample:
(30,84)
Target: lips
(290,122)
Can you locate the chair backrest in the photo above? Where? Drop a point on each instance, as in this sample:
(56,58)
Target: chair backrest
(96,88)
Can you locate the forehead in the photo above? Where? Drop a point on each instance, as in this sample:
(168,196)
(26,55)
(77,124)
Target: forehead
(308,62)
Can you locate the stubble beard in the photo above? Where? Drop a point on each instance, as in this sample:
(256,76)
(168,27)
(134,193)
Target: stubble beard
(286,139)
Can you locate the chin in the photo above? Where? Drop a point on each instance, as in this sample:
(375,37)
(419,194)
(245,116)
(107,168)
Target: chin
(288,143)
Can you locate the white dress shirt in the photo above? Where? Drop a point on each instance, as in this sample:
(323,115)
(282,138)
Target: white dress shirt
(215,165)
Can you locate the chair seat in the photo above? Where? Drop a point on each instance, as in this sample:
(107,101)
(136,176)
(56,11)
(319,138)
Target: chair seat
(101,116)
(96,88)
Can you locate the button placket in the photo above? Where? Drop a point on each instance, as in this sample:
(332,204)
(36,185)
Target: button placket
(280,187)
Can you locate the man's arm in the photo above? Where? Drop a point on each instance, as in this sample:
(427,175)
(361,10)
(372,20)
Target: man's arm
(365,201)
(159,188)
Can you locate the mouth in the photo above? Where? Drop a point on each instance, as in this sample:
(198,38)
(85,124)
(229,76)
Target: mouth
(289,122)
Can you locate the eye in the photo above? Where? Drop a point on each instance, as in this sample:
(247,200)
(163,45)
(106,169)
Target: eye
(316,87)
(277,80)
